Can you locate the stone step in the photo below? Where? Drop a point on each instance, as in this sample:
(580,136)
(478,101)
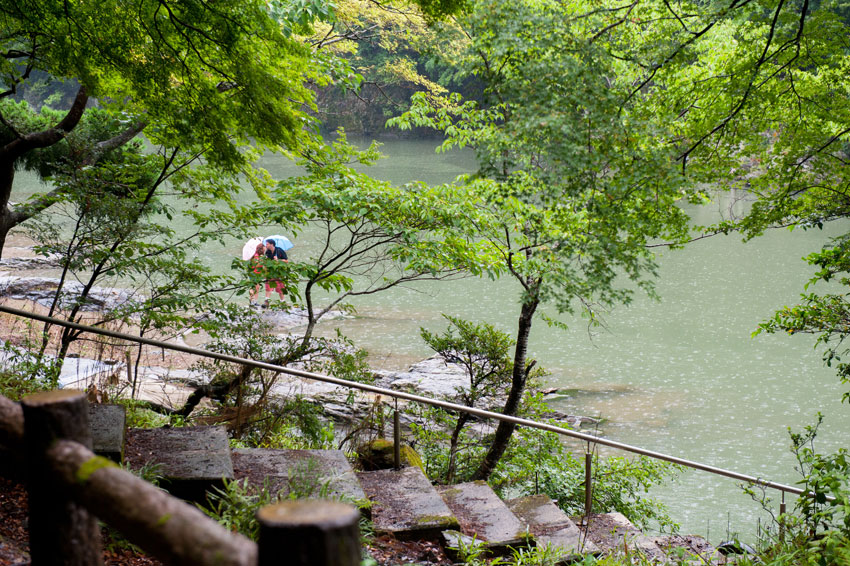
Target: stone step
(689,549)
(613,532)
(405,504)
(480,512)
(306,473)
(551,526)
(108,430)
(191,460)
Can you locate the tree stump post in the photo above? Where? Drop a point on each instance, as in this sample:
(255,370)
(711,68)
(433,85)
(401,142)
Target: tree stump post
(61,531)
(309,533)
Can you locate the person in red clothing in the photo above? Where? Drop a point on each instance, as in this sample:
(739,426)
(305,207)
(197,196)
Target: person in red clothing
(256,267)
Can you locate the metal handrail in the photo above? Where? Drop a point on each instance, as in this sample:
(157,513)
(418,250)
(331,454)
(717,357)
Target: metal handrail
(410,397)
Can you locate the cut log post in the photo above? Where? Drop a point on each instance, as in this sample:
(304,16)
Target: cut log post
(61,531)
(12,463)
(309,533)
(164,526)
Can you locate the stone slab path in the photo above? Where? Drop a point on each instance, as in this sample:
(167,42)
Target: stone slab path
(191,460)
(194,460)
(308,473)
(614,532)
(480,512)
(108,430)
(405,504)
(551,526)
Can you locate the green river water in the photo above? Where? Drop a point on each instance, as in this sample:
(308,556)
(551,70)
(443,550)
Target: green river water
(682,376)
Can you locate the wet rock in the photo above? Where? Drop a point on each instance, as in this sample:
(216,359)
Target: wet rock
(295,317)
(735,547)
(609,531)
(575,421)
(76,372)
(42,290)
(433,377)
(27,263)
(689,549)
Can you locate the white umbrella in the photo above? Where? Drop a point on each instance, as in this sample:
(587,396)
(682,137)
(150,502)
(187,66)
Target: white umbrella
(250,248)
(281,242)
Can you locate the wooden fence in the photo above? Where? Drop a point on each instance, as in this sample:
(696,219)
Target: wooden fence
(46,439)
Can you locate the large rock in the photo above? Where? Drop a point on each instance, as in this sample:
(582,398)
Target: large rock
(42,290)
(610,531)
(76,372)
(288,319)
(433,377)
(27,263)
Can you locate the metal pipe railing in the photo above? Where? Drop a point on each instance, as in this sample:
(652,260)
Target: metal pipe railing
(410,397)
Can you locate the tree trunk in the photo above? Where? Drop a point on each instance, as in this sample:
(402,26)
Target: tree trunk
(311,315)
(20,146)
(463,418)
(7,179)
(504,430)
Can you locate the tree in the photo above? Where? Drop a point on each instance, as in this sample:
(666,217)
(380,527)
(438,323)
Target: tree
(115,227)
(396,50)
(482,352)
(372,236)
(193,76)
(576,172)
(760,90)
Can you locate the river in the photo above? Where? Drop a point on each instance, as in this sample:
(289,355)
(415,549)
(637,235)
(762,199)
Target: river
(681,376)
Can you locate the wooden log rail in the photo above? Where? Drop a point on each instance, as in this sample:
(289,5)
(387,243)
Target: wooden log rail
(47,439)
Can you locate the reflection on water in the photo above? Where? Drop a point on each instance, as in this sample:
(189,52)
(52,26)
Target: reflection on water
(682,376)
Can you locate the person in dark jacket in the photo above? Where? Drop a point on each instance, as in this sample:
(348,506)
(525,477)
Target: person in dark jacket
(275,253)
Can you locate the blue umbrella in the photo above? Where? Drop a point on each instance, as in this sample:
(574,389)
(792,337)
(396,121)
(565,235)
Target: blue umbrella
(281,242)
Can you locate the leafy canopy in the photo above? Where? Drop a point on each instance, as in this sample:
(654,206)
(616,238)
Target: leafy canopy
(207,77)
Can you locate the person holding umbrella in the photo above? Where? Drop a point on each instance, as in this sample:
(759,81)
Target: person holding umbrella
(256,266)
(277,254)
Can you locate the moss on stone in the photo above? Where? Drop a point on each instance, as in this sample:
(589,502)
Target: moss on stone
(440,520)
(381,445)
(378,455)
(409,457)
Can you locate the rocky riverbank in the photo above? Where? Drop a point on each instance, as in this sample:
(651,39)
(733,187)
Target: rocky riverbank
(170,381)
